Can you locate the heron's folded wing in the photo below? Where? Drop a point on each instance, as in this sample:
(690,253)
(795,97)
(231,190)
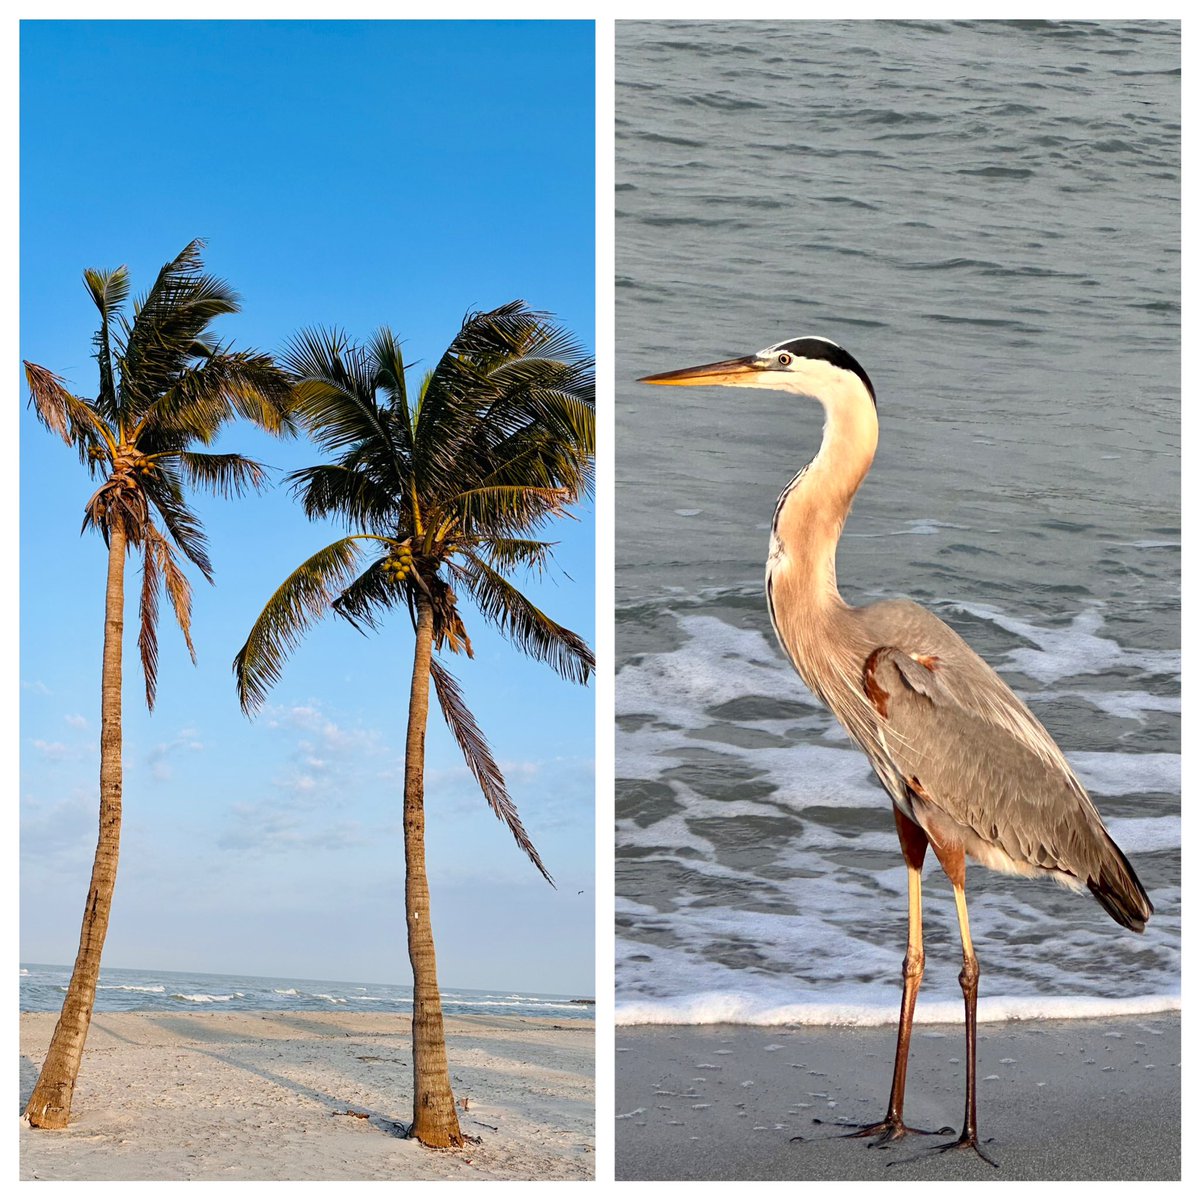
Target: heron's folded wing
(950,746)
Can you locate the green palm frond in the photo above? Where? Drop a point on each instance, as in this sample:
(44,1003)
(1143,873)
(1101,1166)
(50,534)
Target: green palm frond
(302,599)
(522,622)
(224,475)
(330,488)
(388,358)
(506,511)
(335,390)
(167,322)
(364,601)
(479,759)
(226,384)
(109,291)
(164,489)
(508,554)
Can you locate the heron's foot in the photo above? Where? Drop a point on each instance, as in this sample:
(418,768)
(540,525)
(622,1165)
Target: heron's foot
(890,1129)
(965,1142)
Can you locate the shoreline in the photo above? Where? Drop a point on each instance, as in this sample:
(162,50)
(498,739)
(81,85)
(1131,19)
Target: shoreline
(1082,1098)
(239,1095)
(739,1009)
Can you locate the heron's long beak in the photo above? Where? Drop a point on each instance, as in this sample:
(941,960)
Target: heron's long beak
(731,370)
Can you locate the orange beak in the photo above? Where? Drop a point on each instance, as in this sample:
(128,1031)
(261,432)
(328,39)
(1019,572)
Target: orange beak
(731,370)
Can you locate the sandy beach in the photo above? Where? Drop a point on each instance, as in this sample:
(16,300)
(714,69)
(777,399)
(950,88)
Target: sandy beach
(1078,1099)
(278,1096)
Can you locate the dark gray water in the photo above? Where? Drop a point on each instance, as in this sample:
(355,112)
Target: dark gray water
(987,216)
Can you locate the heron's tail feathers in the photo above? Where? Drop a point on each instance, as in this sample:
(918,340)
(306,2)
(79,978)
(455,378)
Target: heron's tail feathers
(1120,891)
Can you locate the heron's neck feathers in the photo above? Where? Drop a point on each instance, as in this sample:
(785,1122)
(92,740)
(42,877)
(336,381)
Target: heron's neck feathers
(813,507)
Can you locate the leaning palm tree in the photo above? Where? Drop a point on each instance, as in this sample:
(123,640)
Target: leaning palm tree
(445,489)
(165,386)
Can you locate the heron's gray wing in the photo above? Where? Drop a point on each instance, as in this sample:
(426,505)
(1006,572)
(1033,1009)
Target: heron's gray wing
(974,776)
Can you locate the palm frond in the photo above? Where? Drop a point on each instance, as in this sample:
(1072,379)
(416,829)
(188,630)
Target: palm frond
(508,510)
(159,565)
(389,364)
(109,290)
(227,383)
(480,761)
(302,599)
(148,621)
(365,600)
(223,474)
(506,554)
(163,487)
(357,495)
(167,322)
(73,419)
(523,623)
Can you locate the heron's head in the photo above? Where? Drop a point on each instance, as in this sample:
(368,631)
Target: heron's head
(807,366)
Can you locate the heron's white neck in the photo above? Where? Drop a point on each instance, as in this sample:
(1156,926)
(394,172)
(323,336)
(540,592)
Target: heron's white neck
(813,508)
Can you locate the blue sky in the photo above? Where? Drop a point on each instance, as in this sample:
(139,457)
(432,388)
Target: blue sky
(349,174)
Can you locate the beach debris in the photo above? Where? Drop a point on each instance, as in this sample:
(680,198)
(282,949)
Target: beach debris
(351,1112)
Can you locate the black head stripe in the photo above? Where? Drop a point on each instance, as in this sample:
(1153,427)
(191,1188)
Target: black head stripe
(830,352)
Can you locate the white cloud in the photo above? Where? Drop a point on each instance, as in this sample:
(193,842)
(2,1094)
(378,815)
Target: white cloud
(54,751)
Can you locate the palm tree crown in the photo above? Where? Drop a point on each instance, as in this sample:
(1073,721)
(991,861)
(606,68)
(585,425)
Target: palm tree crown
(445,489)
(165,385)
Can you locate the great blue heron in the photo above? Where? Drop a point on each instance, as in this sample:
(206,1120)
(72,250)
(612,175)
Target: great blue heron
(970,770)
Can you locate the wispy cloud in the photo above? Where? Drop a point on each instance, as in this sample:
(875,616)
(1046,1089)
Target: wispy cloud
(54,751)
(325,762)
(161,758)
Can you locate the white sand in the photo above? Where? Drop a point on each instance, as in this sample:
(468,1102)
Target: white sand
(265,1096)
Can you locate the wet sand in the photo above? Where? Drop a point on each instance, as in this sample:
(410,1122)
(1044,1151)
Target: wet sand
(1077,1099)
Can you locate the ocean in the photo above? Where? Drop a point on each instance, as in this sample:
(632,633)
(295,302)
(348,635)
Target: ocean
(43,988)
(986,214)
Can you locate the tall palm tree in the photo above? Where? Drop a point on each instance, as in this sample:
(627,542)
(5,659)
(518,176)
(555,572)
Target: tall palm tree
(442,490)
(165,386)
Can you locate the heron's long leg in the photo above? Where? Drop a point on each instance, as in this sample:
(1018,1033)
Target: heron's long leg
(913,843)
(954,863)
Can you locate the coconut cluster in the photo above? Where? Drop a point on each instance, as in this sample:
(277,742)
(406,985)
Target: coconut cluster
(397,566)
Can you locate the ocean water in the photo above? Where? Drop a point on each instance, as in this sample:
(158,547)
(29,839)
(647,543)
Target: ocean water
(43,988)
(987,216)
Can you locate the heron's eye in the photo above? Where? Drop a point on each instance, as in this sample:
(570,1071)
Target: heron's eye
(785,359)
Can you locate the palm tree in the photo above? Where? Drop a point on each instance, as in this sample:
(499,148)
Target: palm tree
(445,490)
(165,385)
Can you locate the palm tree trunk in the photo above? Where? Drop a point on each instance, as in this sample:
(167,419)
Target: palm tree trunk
(435,1122)
(50,1105)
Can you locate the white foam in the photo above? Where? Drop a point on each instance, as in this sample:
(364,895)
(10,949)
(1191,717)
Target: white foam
(1130,706)
(199,998)
(1076,649)
(128,987)
(743,1008)
(1113,774)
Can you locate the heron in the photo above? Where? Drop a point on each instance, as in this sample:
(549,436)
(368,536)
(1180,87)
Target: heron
(970,771)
